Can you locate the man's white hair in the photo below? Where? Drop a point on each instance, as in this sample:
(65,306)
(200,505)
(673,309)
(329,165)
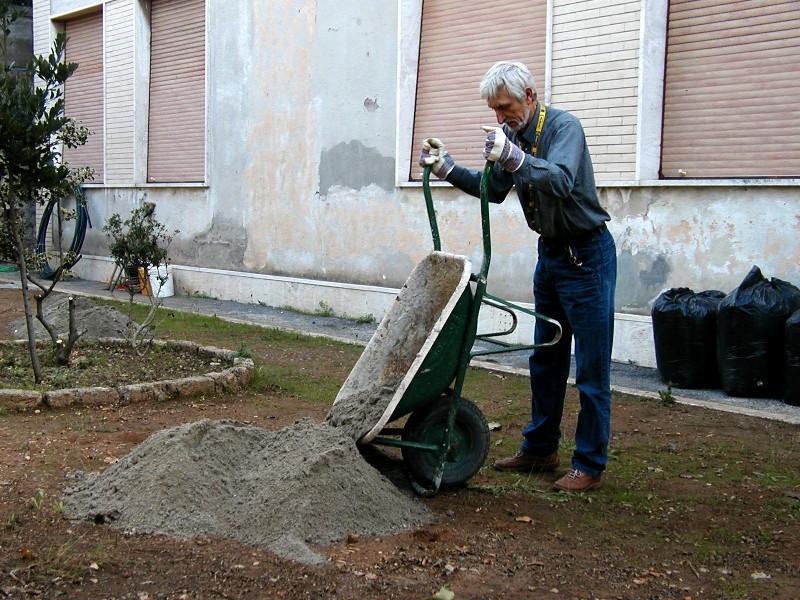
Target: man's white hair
(514,77)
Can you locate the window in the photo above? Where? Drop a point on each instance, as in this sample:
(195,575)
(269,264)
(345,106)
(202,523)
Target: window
(731,88)
(457,46)
(176,128)
(83,91)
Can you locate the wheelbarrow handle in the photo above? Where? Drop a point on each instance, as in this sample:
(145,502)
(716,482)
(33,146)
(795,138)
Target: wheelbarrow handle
(426,188)
(487,238)
(485,228)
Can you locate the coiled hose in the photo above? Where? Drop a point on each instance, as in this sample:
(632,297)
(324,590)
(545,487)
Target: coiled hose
(81,223)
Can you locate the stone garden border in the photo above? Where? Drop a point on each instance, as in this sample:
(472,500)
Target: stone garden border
(234,377)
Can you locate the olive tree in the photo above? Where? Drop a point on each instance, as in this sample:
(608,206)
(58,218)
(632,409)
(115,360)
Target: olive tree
(33,130)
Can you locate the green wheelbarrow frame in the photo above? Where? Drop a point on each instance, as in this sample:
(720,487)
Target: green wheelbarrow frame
(418,358)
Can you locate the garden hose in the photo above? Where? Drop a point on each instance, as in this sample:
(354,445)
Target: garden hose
(81,222)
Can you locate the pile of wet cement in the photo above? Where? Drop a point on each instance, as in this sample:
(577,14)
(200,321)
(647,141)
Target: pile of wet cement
(304,484)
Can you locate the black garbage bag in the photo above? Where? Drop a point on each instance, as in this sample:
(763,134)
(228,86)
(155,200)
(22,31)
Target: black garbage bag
(791,360)
(685,336)
(750,332)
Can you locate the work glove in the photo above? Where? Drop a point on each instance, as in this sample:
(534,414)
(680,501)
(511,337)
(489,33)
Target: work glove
(434,154)
(500,149)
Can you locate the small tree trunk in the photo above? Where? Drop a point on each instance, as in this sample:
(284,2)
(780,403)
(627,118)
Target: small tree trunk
(19,248)
(65,350)
(61,349)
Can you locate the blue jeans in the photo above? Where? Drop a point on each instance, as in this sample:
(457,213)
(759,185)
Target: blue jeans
(574,285)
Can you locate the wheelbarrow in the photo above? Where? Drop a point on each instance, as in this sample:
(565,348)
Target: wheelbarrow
(416,361)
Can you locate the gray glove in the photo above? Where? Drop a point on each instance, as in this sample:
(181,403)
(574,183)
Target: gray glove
(500,149)
(434,154)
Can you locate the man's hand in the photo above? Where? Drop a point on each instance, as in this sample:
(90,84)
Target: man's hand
(500,149)
(434,154)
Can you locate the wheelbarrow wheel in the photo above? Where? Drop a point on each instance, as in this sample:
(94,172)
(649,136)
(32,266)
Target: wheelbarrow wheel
(469,442)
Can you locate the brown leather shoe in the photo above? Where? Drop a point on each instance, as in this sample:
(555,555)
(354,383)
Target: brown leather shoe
(522,461)
(577,481)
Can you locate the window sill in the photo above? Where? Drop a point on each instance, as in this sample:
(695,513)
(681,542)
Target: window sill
(129,186)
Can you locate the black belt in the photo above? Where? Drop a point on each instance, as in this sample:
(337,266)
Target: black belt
(575,240)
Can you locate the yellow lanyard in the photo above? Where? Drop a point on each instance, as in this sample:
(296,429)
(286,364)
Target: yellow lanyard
(530,209)
(539,127)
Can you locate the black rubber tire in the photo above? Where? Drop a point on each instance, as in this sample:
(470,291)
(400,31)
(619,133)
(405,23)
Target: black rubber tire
(469,442)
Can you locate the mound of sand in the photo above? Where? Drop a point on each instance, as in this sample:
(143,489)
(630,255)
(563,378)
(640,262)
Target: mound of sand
(304,484)
(93,319)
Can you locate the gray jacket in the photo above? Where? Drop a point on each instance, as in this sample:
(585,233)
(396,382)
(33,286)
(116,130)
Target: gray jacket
(556,188)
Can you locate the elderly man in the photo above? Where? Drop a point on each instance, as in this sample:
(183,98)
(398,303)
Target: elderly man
(542,152)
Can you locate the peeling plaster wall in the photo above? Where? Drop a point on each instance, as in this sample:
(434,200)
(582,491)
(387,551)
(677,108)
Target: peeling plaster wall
(301,114)
(700,237)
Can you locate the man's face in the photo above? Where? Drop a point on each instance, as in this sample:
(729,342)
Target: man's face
(510,111)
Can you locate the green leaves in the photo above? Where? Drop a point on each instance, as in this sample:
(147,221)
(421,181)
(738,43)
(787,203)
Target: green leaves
(139,240)
(32,121)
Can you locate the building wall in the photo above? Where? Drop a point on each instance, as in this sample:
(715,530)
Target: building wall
(595,48)
(304,204)
(118,23)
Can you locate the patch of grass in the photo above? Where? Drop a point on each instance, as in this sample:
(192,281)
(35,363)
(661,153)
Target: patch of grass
(37,502)
(199,294)
(260,380)
(325,310)
(666,396)
(314,387)
(244,352)
(734,589)
(70,559)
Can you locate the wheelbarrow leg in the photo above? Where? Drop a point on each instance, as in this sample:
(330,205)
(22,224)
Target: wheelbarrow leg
(427,492)
(436,480)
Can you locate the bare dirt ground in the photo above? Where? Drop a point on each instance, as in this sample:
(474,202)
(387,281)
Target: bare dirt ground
(695,504)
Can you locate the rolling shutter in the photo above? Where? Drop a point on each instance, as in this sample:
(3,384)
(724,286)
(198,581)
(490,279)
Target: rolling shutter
(731,88)
(176,128)
(83,91)
(458,44)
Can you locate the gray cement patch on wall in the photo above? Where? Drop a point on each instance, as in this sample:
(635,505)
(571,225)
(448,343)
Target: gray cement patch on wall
(354,165)
(640,278)
(223,244)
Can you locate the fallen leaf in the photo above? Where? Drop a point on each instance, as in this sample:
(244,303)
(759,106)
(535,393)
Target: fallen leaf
(495,426)
(523,519)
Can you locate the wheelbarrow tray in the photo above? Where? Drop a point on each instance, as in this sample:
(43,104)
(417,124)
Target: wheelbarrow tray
(414,354)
